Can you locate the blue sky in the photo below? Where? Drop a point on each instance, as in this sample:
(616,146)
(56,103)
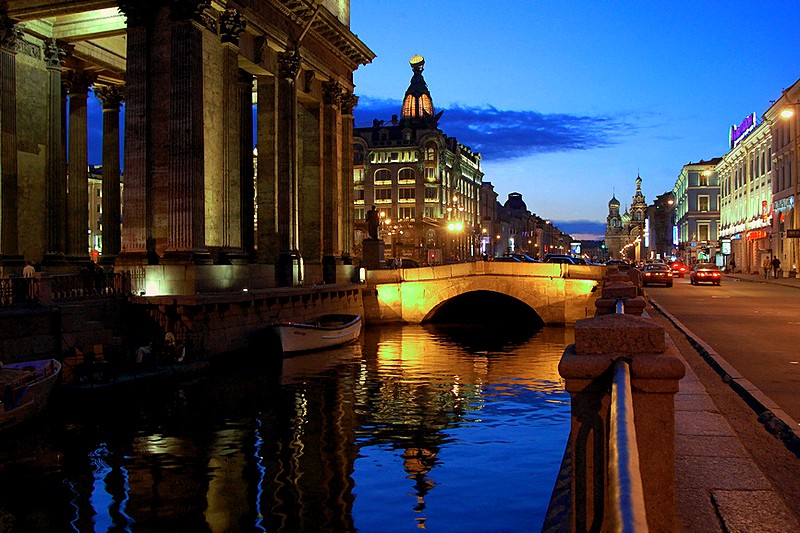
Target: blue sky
(568,100)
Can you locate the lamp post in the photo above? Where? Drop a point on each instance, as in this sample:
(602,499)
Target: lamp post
(788,112)
(455,225)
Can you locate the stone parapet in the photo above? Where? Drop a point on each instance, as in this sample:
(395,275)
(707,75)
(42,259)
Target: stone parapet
(655,369)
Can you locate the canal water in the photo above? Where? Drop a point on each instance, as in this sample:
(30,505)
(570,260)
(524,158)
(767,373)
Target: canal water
(441,428)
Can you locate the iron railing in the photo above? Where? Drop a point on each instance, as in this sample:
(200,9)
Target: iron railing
(26,291)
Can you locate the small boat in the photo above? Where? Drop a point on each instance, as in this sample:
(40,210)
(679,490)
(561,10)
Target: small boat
(323,332)
(25,389)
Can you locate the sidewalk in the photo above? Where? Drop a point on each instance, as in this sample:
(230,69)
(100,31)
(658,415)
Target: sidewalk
(719,486)
(759,278)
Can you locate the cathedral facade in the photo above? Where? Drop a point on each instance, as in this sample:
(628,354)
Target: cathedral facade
(625,232)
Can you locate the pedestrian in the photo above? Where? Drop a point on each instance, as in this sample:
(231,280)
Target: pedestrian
(732,265)
(766,265)
(776,265)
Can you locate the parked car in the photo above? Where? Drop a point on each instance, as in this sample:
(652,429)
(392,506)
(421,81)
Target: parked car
(558,258)
(656,273)
(679,268)
(525,258)
(507,259)
(705,273)
(622,266)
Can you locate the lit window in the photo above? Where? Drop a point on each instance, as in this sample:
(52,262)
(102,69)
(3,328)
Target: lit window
(382,175)
(406,193)
(383,194)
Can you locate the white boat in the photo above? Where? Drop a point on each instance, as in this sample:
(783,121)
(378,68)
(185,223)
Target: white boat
(25,389)
(323,332)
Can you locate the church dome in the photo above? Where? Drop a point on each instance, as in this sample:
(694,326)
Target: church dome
(515,202)
(613,202)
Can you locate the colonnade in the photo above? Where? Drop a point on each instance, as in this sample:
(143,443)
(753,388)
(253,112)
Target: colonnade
(191,75)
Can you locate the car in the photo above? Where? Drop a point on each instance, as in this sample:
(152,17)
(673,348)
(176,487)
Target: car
(656,273)
(559,258)
(705,273)
(679,268)
(507,259)
(525,258)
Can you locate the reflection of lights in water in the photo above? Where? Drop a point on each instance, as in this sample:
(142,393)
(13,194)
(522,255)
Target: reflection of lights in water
(259,462)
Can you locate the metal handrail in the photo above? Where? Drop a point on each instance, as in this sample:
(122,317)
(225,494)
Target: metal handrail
(625,492)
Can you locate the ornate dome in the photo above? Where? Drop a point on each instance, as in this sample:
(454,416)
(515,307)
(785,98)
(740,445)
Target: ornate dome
(613,201)
(515,202)
(417,102)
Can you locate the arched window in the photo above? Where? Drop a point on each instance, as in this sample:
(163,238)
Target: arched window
(406,174)
(383,174)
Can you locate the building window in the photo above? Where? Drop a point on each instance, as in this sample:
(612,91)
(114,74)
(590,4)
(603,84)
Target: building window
(406,174)
(358,213)
(358,194)
(384,194)
(431,193)
(703,179)
(703,229)
(702,203)
(431,212)
(408,212)
(358,175)
(406,193)
(98,208)
(383,174)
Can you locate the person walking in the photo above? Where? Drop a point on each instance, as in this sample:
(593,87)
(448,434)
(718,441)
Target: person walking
(766,265)
(776,265)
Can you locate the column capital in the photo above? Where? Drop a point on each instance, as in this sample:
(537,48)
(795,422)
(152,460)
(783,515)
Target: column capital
(10,35)
(79,81)
(231,26)
(54,56)
(137,12)
(332,93)
(289,64)
(110,96)
(349,101)
(189,9)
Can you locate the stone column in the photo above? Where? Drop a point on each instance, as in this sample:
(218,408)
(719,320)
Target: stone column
(288,269)
(246,171)
(268,243)
(185,216)
(111,98)
(349,101)
(232,24)
(655,371)
(137,156)
(332,206)
(78,168)
(9,230)
(56,179)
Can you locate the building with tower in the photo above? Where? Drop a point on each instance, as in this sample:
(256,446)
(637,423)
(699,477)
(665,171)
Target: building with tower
(625,232)
(425,185)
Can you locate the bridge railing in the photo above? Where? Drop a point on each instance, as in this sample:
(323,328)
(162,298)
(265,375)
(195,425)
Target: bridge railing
(622,368)
(473,268)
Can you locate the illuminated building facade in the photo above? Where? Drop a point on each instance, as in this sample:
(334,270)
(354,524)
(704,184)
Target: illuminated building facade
(745,180)
(426,185)
(625,232)
(696,193)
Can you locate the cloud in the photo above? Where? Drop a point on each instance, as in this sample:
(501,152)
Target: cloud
(582,229)
(503,134)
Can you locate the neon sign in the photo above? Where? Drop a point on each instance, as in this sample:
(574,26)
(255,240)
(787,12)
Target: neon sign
(741,131)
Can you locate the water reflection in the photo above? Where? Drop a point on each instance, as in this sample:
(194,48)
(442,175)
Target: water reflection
(412,427)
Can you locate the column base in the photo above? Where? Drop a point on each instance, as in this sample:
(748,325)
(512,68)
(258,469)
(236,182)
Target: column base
(289,270)
(329,264)
(184,257)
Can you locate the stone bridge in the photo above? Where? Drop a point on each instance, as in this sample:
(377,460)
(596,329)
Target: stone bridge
(558,293)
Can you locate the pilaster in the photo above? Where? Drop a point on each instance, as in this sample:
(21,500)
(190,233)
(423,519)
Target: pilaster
(289,267)
(268,245)
(246,171)
(9,241)
(111,97)
(332,206)
(78,177)
(349,101)
(56,179)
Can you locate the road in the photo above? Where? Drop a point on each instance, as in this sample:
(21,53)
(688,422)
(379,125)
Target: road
(753,326)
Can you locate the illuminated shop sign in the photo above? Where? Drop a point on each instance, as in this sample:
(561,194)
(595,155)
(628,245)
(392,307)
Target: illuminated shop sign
(726,246)
(756,234)
(741,131)
(784,204)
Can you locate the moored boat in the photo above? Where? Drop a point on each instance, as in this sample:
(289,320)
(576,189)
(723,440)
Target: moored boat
(25,389)
(325,331)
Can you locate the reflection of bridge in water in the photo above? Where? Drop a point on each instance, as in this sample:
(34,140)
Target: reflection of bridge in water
(557,293)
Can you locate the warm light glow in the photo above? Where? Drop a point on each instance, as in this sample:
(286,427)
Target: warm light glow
(787,112)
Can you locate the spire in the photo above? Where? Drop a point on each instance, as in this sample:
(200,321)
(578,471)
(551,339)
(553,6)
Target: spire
(417,102)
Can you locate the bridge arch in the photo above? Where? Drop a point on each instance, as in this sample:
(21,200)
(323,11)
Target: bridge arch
(489,307)
(559,294)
